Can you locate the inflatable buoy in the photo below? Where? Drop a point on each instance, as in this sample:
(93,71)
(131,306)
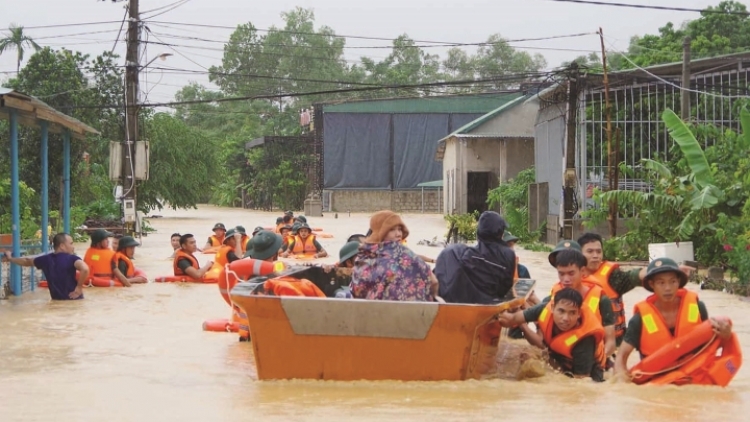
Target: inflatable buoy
(220,325)
(679,363)
(42,283)
(317,229)
(104,282)
(244,269)
(324,235)
(181,279)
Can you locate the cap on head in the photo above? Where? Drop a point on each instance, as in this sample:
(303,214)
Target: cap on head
(301,219)
(240,230)
(290,213)
(256,230)
(348,251)
(100,234)
(265,244)
(219,226)
(508,237)
(126,242)
(563,245)
(663,265)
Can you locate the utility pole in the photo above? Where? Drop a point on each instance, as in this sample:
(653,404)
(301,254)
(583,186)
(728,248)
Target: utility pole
(611,154)
(684,94)
(570,179)
(131,107)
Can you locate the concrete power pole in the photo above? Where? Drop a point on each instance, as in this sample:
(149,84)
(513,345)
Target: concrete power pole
(131,109)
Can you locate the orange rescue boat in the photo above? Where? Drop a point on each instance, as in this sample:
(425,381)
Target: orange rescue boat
(297,337)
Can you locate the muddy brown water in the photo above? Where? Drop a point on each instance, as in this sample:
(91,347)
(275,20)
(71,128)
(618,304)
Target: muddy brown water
(139,354)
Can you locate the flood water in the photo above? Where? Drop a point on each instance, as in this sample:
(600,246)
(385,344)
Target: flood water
(139,354)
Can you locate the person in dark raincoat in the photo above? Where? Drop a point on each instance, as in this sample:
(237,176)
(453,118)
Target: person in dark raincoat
(480,274)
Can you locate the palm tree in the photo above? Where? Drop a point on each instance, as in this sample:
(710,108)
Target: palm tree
(17,40)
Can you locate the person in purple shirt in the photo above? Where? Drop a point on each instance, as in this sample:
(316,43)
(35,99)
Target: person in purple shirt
(59,267)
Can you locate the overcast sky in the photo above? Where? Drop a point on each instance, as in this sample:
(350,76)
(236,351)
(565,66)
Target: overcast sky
(463,21)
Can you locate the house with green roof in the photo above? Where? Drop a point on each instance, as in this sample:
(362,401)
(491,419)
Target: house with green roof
(378,154)
(485,152)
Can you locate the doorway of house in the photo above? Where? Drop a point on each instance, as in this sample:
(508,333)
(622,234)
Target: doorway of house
(478,183)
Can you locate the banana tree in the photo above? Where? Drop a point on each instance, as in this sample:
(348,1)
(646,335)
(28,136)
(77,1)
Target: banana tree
(678,206)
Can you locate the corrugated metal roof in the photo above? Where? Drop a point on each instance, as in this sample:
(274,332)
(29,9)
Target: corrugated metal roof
(31,110)
(477,103)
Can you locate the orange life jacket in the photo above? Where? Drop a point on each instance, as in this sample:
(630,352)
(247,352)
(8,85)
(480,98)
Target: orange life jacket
(99,262)
(221,256)
(563,343)
(601,279)
(216,241)
(289,286)
(119,256)
(590,301)
(243,243)
(655,333)
(306,246)
(182,254)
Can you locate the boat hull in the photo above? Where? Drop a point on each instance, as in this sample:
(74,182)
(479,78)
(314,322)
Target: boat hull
(340,339)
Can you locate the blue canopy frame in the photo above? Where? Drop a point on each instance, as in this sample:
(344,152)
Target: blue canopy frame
(22,109)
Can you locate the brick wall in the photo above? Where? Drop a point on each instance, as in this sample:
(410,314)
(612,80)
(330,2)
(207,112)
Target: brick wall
(375,200)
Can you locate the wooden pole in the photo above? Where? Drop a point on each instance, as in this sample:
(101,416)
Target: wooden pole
(132,69)
(611,164)
(684,94)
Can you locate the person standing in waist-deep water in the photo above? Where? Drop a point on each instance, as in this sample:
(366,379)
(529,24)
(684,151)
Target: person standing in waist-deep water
(480,274)
(59,268)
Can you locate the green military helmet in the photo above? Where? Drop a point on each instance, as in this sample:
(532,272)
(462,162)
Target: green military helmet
(563,245)
(126,242)
(663,265)
(348,251)
(230,234)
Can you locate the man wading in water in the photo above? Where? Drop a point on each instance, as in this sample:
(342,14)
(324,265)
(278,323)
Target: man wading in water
(59,268)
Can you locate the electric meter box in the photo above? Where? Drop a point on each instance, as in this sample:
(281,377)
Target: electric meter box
(128,209)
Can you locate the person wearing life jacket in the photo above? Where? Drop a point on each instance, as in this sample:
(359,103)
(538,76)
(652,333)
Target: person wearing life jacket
(571,264)
(231,250)
(670,312)
(216,239)
(185,263)
(244,238)
(569,330)
(286,220)
(286,234)
(304,243)
(614,281)
(99,256)
(122,264)
(343,268)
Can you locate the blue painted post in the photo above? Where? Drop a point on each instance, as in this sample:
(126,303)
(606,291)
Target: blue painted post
(45,185)
(15,270)
(66,179)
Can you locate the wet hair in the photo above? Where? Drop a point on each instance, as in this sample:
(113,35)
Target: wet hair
(589,238)
(355,238)
(59,239)
(570,257)
(184,238)
(570,295)
(175,235)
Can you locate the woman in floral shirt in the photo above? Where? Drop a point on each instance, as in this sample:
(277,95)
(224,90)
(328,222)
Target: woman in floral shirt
(385,269)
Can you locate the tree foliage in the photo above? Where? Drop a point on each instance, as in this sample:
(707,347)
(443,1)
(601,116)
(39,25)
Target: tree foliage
(18,41)
(711,35)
